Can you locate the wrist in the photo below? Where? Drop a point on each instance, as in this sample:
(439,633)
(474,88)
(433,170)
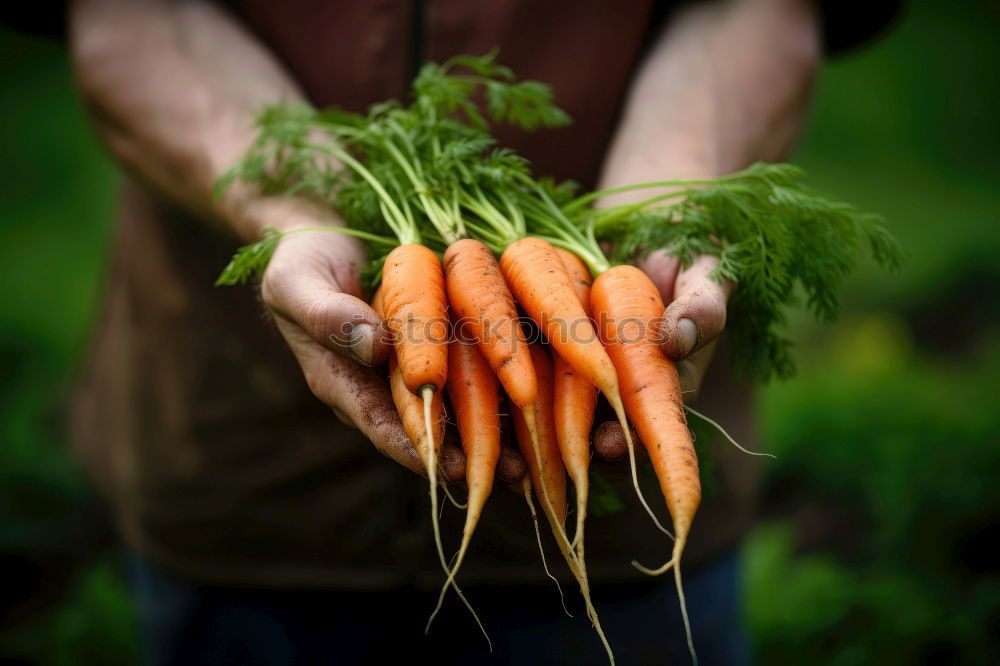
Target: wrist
(640,168)
(249,216)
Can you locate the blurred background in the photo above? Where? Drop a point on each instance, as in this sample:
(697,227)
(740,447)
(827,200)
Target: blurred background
(873,540)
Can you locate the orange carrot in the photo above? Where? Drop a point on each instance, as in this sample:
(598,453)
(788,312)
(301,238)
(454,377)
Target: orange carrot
(574,404)
(413,296)
(538,279)
(548,476)
(479,296)
(415,310)
(475,397)
(411,411)
(412,414)
(628,306)
(409,406)
(544,464)
(579,276)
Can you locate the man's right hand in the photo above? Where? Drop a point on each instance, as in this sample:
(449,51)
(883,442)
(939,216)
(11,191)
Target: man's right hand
(311,287)
(312,290)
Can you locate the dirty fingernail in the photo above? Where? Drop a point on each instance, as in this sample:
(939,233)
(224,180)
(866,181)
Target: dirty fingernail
(687,336)
(361,342)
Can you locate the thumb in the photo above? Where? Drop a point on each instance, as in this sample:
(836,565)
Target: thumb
(697,314)
(337,321)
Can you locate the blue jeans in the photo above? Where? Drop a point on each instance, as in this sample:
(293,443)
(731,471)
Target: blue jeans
(186,624)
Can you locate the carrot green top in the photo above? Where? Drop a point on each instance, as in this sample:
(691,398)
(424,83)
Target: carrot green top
(431,173)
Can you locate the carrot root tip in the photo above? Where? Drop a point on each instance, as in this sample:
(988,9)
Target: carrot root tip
(526,487)
(581,516)
(654,572)
(451,498)
(684,612)
(725,434)
(557,527)
(430,460)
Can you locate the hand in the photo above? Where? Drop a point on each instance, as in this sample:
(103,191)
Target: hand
(311,286)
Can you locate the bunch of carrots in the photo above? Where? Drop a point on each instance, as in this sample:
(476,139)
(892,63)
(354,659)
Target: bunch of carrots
(460,234)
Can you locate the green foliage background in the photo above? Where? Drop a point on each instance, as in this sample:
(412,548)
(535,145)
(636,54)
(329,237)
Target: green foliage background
(876,520)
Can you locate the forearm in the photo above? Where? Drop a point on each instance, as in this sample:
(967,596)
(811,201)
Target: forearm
(173,88)
(726,84)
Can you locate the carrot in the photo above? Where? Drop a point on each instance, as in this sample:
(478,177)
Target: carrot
(538,279)
(475,397)
(628,306)
(548,476)
(412,414)
(411,411)
(544,462)
(413,295)
(578,274)
(479,296)
(414,306)
(574,404)
(409,406)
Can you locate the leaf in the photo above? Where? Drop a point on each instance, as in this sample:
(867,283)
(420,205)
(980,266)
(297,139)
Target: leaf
(774,237)
(484,65)
(250,261)
(527,105)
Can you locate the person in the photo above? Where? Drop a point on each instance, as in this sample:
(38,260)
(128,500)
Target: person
(232,436)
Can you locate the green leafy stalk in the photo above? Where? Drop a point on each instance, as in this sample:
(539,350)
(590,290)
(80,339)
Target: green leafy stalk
(431,172)
(775,238)
(398,174)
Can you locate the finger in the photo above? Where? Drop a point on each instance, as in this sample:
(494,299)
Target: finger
(339,322)
(697,314)
(451,460)
(362,396)
(662,270)
(511,467)
(610,444)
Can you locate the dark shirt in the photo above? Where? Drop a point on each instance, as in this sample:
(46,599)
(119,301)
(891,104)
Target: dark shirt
(193,416)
